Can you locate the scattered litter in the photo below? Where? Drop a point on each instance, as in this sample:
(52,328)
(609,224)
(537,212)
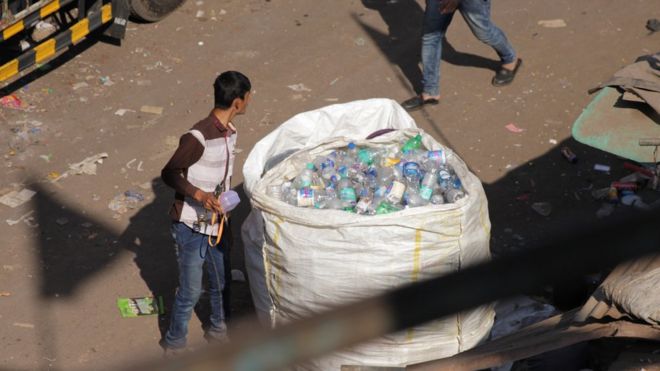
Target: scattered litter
(105,80)
(125,201)
(359,41)
(199,14)
(552,23)
(635,201)
(80,85)
(14,199)
(334,81)
(605,210)
(603,168)
(600,194)
(53,175)
(513,128)
(22,218)
(569,155)
(12,101)
(145,186)
(200,43)
(299,88)
(87,225)
(155,110)
(136,307)
(62,221)
(47,157)
(122,111)
(223,12)
(542,208)
(26,133)
(237,275)
(24,325)
(552,141)
(88,165)
(332,99)
(4,293)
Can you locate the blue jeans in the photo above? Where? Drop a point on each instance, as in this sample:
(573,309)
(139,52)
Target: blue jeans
(193,250)
(477,15)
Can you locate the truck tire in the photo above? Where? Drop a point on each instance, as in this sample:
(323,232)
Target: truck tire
(153,10)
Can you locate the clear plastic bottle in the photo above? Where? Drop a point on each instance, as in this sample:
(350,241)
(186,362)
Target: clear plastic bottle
(455,191)
(352,151)
(437,157)
(395,192)
(428,184)
(413,198)
(437,199)
(347,193)
(320,199)
(365,156)
(305,178)
(305,197)
(363,206)
(412,173)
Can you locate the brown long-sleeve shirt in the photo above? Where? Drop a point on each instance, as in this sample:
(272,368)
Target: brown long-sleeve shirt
(189,151)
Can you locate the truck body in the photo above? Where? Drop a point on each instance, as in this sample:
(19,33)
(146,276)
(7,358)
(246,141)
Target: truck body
(34,31)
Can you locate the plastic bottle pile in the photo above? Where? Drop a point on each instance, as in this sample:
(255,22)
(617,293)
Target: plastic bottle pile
(372,181)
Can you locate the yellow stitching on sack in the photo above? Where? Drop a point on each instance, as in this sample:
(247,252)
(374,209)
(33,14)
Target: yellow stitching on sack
(417,267)
(482,218)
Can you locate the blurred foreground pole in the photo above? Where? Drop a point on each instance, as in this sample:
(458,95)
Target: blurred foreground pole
(585,250)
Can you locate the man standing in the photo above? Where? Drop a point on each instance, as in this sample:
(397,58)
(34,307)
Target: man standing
(437,17)
(199,170)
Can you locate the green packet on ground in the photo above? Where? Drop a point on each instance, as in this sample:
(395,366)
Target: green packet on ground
(136,307)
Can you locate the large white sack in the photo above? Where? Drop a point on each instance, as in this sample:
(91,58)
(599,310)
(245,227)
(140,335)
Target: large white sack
(353,120)
(317,259)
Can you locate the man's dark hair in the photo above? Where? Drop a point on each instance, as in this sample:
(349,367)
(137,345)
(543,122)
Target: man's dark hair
(229,86)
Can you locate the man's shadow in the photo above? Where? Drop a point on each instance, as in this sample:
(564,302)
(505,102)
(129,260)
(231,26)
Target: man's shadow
(402,43)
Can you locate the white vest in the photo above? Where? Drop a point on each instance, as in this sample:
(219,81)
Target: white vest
(206,174)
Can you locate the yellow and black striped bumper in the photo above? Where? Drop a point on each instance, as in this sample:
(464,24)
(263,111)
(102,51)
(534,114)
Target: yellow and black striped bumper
(53,45)
(33,18)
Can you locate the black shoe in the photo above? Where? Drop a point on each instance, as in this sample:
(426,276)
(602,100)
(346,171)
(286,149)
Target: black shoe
(505,77)
(417,102)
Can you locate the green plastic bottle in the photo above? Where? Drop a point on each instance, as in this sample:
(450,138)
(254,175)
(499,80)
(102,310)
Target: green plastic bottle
(412,143)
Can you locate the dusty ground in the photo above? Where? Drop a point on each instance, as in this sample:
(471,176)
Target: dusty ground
(63,277)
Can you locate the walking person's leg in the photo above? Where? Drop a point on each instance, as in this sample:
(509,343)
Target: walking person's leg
(433,33)
(477,15)
(215,268)
(191,247)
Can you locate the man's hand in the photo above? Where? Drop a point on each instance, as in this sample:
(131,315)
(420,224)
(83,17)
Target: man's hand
(208,200)
(448,6)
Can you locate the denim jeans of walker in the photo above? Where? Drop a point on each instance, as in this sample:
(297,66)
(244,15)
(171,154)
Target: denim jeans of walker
(193,251)
(477,16)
